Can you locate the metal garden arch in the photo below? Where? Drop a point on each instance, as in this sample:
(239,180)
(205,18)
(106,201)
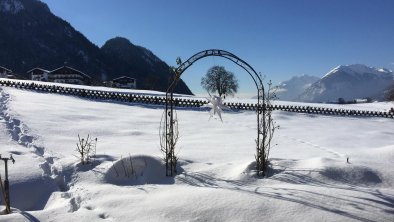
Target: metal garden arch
(170,119)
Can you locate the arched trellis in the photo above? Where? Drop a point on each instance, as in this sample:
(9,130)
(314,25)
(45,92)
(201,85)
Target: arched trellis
(170,120)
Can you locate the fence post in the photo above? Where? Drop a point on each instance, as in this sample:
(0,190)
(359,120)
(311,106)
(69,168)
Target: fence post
(7,184)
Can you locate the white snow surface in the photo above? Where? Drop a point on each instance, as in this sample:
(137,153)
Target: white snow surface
(309,179)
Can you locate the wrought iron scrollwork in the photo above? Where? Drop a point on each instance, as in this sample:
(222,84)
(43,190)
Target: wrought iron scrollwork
(171,121)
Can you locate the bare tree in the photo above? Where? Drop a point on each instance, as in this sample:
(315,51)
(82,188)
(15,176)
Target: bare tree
(219,80)
(86,148)
(267,129)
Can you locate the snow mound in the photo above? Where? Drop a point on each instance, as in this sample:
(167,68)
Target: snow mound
(138,170)
(247,172)
(355,175)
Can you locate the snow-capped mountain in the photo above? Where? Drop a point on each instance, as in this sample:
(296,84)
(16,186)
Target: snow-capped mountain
(349,82)
(289,90)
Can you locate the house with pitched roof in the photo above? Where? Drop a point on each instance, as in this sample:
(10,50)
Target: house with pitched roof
(66,74)
(4,72)
(124,82)
(39,74)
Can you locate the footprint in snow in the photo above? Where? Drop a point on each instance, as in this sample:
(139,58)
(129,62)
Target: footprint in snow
(103,216)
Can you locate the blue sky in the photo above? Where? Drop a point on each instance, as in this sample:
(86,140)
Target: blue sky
(279,38)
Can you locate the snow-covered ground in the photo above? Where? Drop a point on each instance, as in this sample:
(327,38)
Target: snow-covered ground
(309,177)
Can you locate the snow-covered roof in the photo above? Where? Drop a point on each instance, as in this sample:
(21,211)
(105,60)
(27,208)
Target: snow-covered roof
(123,77)
(37,68)
(71,69)
(3,68)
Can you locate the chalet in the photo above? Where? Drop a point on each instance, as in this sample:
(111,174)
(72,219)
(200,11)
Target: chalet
(124,82)
(4,72)
(69,75)
(38,74)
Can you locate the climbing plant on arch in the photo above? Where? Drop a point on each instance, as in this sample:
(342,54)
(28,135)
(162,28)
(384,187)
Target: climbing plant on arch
(169,129)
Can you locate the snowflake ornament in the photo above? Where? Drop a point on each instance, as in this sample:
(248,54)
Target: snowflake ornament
(217,106)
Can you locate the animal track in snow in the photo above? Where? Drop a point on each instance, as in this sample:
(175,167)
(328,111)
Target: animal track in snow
(336,154)
(18,130)
(103,216)
(75,204)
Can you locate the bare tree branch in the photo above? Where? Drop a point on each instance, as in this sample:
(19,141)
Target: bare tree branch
(86,148)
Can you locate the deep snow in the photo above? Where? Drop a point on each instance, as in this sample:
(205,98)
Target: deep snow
(309,178)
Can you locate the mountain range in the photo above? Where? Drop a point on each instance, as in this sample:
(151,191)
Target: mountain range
(31,36)
(349,82)
(289,90)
